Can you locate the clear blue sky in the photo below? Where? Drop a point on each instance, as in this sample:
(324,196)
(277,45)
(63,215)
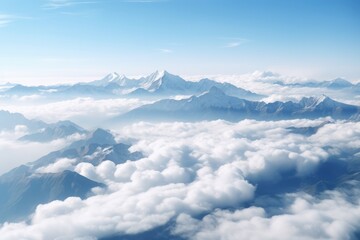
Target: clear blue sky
(57,40)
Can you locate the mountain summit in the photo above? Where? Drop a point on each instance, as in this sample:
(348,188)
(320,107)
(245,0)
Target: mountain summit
(164,82)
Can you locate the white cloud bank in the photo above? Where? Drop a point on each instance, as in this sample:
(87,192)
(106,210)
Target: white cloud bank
(332,217)
(87,111)
(201,168)
(14,153)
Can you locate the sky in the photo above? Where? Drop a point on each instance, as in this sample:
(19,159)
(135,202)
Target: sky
(52,41)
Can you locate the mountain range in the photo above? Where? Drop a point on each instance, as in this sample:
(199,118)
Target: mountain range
(157,84)
(162,83)
(215,104)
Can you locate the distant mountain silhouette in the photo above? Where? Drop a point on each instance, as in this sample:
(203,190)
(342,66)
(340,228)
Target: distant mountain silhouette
(215,104)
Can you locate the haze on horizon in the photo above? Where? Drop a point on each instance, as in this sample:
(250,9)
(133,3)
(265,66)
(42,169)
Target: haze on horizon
(52,41)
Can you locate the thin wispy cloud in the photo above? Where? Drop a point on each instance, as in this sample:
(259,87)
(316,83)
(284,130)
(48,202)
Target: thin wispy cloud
(232,45)
(55,4)
(75,13)
(71,13)
(235,42)
(5,19)
(144,1)
(165,50)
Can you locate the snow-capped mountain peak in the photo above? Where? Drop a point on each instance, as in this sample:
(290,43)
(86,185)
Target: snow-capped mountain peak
(313,102)
(163,79)
(153,77)
(321,99)
(111,76)
(157,75)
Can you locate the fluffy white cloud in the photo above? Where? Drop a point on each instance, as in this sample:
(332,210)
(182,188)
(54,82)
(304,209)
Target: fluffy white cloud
(14,153)
(88,111)
(342,135)
(262,149)
(307,217)
(59,166)
(17,132)
(196,168)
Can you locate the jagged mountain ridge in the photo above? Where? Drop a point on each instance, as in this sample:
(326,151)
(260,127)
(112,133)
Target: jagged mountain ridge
(22,194)
(100,145)
(163,83)
(157,84)
(37,130)
(24,187)
(215,104)
(61,129)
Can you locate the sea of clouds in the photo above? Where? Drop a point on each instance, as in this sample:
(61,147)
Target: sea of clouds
(201,177)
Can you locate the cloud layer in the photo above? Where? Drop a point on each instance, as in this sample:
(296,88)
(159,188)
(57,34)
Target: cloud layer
(14,153)
(88,111)
(55,4)
(330,217)
(191,169)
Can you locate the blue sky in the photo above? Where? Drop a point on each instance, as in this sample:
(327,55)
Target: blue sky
(76,40)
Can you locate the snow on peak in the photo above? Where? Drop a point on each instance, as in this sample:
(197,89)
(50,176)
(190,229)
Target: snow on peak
(112,76)
(160,77)
(157,75)
(322,98)
(312,102)
(161,73)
